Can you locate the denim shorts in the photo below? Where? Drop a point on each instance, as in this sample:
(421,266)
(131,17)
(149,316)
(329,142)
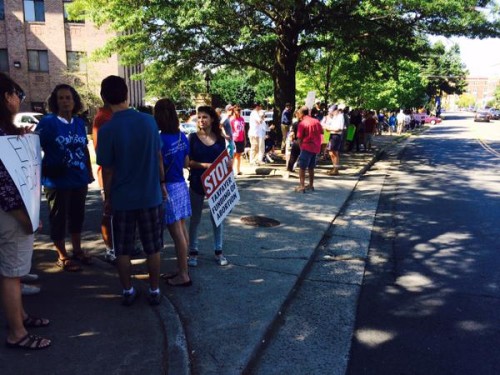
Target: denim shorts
(307,159)
(335,142)
(149,222)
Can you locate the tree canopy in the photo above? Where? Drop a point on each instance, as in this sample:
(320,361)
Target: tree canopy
(186,36)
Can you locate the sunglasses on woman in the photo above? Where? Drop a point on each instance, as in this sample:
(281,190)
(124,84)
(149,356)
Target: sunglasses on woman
(20,94)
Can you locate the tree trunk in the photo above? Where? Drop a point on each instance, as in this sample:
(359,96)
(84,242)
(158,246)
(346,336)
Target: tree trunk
(285,66)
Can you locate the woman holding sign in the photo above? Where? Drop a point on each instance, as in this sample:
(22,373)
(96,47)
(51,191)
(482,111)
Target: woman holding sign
(177,205)
(204,147)
(66,172)
(16,235)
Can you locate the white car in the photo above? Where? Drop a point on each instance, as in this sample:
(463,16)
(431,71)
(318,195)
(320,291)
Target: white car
(188,127)
(27,119)
(245,113)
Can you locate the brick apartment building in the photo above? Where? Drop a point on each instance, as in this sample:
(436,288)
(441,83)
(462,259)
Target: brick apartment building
(41,47)
(482,89)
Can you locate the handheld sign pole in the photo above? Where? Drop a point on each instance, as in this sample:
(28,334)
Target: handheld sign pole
(21,156)
(220,187)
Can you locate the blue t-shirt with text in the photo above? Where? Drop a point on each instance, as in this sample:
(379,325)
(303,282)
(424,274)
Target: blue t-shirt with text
(65,147)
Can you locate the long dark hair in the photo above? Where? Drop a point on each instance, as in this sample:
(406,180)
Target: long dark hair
(7,86)
(166,116)
(215,117)
(52,101)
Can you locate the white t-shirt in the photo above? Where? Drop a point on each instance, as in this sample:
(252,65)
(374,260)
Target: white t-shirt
(255,124)
(335,123)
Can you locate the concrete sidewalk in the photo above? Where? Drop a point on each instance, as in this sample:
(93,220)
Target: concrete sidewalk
(214,327)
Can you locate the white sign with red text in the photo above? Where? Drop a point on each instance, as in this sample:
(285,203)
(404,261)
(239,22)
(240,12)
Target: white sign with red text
(220,187)
(21,156)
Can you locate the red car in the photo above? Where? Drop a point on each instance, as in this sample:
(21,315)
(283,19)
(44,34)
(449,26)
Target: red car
(432,120)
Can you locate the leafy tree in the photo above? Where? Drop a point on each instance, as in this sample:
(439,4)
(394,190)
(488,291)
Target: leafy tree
(271,35)
(445,71)
(233,87)
(497,97)
(466,100)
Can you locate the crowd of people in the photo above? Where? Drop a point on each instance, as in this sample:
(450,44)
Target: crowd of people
(142,160)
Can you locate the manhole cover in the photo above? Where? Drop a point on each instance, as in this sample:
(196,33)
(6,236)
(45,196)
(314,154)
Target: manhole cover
(260,221)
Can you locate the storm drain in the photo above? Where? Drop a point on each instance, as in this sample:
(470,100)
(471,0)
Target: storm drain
(260,221)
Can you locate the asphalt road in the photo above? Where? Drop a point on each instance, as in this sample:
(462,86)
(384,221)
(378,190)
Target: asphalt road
(430,296)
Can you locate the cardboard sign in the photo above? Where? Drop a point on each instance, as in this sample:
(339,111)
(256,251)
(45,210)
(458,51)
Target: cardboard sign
(220,187)
(311,96)
(22,158)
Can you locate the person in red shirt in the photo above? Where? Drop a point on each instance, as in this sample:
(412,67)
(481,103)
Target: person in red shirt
(103,115)
(309,133)
(370,128)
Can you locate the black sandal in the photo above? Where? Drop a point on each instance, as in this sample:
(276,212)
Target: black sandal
(82,258)
(34,322)
(29,342)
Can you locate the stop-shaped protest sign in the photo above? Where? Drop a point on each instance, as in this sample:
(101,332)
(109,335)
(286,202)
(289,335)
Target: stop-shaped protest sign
(220,187)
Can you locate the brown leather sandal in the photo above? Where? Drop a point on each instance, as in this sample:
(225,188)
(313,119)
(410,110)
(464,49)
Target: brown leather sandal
(68,265)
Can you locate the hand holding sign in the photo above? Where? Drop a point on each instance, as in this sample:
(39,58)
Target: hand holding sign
(220,187)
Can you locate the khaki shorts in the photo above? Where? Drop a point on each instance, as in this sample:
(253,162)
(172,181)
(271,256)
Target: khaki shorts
(16,247)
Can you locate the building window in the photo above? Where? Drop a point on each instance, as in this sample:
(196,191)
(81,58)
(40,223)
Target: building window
(76,61)
(4,60)
(34,11)
(38,61)
(2,10)
(67,17)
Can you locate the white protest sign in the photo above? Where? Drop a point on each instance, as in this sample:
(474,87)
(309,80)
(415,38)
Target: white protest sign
(220,187)
(21,156)
(311,96)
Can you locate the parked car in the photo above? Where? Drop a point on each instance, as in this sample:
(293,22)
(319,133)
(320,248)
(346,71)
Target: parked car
(188,127)
(432,120)
(482,117)
(245,113)
(268,117)
(27,119)
(495,114)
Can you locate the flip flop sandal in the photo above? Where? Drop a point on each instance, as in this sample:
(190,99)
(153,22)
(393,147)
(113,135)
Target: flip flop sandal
(300,189)
(29,342)
(186,284)
(82,258)
(34,322)
(167,276)
(68,265)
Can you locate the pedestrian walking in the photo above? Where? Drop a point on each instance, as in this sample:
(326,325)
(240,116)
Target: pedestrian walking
(134,184)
